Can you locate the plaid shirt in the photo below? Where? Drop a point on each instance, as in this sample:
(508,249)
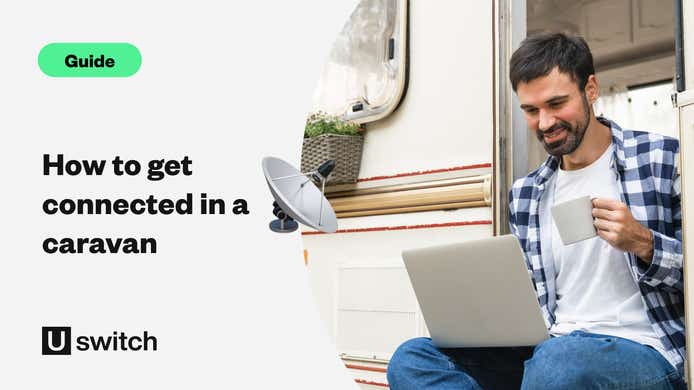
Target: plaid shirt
(646,165)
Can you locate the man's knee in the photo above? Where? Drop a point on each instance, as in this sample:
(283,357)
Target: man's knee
(409,352)
(571,362)
(555,365)
(409,355)
(547,374)
(552,367)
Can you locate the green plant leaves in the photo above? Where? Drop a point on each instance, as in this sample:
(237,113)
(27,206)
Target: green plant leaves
(320,123)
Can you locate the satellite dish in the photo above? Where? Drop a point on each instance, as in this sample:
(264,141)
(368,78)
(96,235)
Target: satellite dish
(297,197)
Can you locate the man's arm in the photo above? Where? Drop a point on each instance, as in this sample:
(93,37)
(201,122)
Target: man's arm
(665,268)
(616,225)
(660,256)
(512,216)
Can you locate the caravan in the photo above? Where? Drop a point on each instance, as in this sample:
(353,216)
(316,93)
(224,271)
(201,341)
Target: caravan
(444,138)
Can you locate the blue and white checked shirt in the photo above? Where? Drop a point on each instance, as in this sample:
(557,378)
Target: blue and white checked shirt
(646,165)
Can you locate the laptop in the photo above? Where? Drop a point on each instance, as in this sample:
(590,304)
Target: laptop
(476,294)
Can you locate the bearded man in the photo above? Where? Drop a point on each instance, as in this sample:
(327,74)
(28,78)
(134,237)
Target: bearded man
(614,303)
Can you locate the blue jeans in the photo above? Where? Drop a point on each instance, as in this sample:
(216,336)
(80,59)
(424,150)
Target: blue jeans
(578,360)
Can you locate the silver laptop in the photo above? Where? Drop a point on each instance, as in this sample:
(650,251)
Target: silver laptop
(476,294)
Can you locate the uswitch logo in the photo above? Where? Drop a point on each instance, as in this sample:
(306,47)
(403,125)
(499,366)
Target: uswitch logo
(57,340)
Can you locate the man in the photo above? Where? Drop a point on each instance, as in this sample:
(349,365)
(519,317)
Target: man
(614,303)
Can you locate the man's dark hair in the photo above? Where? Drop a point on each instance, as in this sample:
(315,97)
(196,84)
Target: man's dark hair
(540,53)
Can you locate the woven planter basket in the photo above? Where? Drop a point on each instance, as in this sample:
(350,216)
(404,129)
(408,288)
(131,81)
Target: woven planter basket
(344,149)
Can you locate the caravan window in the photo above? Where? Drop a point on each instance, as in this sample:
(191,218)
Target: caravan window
(364,77)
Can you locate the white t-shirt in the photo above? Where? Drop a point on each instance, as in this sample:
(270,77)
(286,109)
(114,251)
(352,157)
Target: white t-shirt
(596,291)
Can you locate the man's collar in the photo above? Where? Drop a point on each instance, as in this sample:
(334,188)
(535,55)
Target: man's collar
(547,169)
(617,140)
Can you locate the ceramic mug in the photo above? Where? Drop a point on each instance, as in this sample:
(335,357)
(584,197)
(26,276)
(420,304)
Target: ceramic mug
(574,219)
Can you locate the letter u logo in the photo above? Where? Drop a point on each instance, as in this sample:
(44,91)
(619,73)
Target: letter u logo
(56,340)
(51,342)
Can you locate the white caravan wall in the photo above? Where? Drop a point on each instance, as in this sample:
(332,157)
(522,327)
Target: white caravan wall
(648,109)
(446,118)
(445,121)
(375,313)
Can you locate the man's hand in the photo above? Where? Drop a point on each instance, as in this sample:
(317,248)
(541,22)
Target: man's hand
(617,226)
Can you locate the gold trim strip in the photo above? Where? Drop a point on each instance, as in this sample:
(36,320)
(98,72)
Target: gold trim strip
(406,198)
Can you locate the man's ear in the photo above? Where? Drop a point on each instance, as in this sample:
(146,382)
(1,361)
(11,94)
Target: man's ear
(592,89)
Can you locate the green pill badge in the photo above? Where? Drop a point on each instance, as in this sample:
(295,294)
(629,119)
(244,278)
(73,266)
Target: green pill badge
(89,59)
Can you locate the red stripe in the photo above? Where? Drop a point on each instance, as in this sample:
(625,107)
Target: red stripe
(365,382)
(389,228)
(366,368)
(461,168)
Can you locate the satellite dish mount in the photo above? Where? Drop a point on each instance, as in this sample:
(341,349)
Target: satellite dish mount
(297,195)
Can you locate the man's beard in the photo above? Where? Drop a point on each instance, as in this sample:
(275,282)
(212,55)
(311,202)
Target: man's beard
(574,134)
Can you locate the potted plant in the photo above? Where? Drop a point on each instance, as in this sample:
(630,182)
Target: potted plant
(328,137)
